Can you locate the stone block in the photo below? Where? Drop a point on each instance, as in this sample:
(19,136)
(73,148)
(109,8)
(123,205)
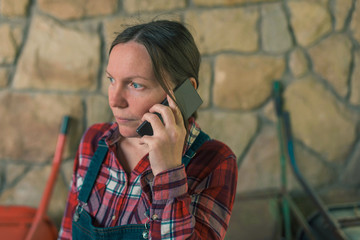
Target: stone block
(211,3)
(4,77)
(318,120)
(350,176)
(255,219)
(58,58)
(341,12)
(298,63)
(76,9)
(236,130)
(14,172)
(134,6)
(261,170)
(240,33)
(67,168)
(31,123)
(275,35)
(98,110)
(245,82)
(355,22)
(205,74)
(8,47)
(314,170)
(18,8)
(355,80)
(332,59)
(310,21)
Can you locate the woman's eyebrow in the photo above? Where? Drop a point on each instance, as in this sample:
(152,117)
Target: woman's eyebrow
(108,73)
(129,77)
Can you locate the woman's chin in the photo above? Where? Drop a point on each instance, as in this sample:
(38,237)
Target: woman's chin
(128,132)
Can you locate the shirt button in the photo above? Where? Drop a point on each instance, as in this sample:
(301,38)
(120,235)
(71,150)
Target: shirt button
(155,217)
(113,217)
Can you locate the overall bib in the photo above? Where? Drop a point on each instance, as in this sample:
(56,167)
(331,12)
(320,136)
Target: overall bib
(82,227)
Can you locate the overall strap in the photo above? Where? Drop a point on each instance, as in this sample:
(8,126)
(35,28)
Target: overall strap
(190,153)
(93,170)
(101,151)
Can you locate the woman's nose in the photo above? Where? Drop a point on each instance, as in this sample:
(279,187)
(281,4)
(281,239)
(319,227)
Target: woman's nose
(117,97)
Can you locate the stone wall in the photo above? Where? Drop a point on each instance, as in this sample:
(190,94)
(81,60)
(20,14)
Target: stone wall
(53,56)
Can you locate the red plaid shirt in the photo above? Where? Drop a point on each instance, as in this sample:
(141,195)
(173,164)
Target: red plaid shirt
(183,203)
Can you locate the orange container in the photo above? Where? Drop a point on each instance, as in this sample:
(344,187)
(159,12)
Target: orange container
(16,221)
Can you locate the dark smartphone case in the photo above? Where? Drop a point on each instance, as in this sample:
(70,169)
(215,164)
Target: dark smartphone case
(188,101)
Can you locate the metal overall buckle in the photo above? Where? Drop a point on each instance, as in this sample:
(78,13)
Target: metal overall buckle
(78,211)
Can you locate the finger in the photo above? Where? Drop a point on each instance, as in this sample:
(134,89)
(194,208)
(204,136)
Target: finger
(154,120)
(176,110)
(166,114)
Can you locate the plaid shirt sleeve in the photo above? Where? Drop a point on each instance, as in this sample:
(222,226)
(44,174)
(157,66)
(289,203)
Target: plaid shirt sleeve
(66,231)
(196,202)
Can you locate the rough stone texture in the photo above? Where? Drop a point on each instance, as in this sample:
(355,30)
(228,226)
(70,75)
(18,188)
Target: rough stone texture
(114,26)
(221,126)
(355,80)
(275,35)
(269,111)
(298,63)
(227,2)
(318,120)
(250,215)
(67,168)
(8,45)
(314,170)
(260,169)
(211,35)
(351,176)
(204,83)
(11,8)
(14,172)
(333,65)
(245,82)
(133,6)
(355,22)
(29,121)
(17,34)
(4,77)
(310,21)
(30,189)
(98,110)
(69,62)
(341,12)
(75,9)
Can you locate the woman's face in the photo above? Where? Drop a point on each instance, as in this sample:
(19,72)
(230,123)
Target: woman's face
(133,88)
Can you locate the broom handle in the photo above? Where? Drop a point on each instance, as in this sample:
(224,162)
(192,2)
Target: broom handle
(53,175)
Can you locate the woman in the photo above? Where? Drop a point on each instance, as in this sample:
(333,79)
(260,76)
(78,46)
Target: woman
(175,184)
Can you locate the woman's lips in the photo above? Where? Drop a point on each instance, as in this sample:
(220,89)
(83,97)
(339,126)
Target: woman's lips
(124,120)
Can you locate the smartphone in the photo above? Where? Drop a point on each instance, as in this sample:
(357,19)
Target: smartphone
(188,101)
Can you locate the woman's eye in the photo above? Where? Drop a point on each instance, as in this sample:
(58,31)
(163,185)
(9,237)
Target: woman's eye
(111,79)
(136,85)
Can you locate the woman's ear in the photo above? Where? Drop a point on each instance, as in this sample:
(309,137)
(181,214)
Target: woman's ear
(193,82)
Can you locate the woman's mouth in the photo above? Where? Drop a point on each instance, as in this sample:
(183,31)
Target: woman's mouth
(123,120)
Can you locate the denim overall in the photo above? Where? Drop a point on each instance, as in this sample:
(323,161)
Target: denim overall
(82,227)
